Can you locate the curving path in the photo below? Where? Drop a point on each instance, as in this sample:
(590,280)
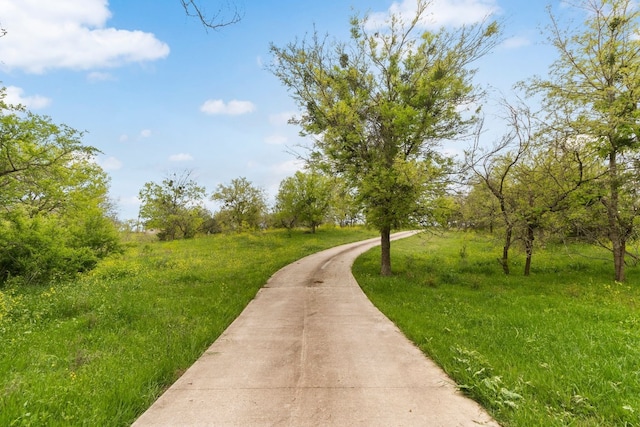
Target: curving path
(311,350)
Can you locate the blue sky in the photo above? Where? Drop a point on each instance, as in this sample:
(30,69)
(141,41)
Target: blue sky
(158,94)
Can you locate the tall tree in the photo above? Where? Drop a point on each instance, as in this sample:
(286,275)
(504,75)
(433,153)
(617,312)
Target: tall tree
(593,90)
(378,106)
(174,207)
(243,205)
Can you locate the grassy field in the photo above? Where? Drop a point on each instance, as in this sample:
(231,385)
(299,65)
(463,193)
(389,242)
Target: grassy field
(561,347)
(99,351)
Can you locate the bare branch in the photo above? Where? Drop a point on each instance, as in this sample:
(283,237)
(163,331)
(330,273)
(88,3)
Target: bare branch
(213,21)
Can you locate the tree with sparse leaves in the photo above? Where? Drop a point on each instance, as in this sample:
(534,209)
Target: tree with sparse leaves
(532,173)
(378,106)
(174,207)
(592,92)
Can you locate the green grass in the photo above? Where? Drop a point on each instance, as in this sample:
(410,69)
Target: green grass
(561,347)
(100,350)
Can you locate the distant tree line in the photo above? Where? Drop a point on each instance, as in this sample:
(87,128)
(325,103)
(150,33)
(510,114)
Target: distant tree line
(176,208)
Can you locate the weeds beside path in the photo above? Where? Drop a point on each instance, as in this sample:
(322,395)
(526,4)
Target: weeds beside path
(100,350)
(561,347)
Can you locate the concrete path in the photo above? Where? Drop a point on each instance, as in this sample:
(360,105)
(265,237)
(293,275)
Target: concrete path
(311,350)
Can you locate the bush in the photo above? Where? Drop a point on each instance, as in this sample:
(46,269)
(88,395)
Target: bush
(41,248)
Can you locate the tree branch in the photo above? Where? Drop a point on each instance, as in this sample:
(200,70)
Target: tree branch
(214,21)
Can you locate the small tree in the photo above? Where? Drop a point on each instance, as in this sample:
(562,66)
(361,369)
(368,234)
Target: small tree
(304,199)
(493,168)
(379,105)
(173,207)
(243,205)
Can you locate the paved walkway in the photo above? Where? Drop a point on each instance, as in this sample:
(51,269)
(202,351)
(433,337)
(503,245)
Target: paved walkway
(311,350)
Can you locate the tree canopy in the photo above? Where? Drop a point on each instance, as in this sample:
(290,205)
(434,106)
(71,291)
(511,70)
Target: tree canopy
(243,205)
(174,207)
(378,105)
(54,207)
(304,198)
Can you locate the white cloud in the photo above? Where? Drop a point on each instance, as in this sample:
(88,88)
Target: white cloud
(232,108)
(439,13)
(98,76)
(276,139)
(145,133)
(110,163)
(72,34)
(14,95)
(282,118)
(182,157)
(515,42)
(129,201)
(124,137)
(288,168)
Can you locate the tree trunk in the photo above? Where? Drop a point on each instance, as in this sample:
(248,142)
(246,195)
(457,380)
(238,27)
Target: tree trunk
(528,246)
(616,235)
(619,250)
(385,243)
(505,250)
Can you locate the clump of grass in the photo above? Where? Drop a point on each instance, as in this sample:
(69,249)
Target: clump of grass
(100,350)
(561,347)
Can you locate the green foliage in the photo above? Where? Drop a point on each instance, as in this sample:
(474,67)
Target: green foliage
(345,208)
(100,350)
(243,206)
(53,217)
(38,249)
(592,93)
(304,199)
(557,348)
(174,208)
(379,104)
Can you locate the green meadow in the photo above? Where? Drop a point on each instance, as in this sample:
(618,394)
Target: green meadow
(561,347)
(98,351)
(558,348)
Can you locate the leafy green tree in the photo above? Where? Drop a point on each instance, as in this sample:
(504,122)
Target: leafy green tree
(592,91)
(379,105)
(54,206)
(304,198)
(243,205)
(173,207)
(542,186)
(479,208)
(345,208)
